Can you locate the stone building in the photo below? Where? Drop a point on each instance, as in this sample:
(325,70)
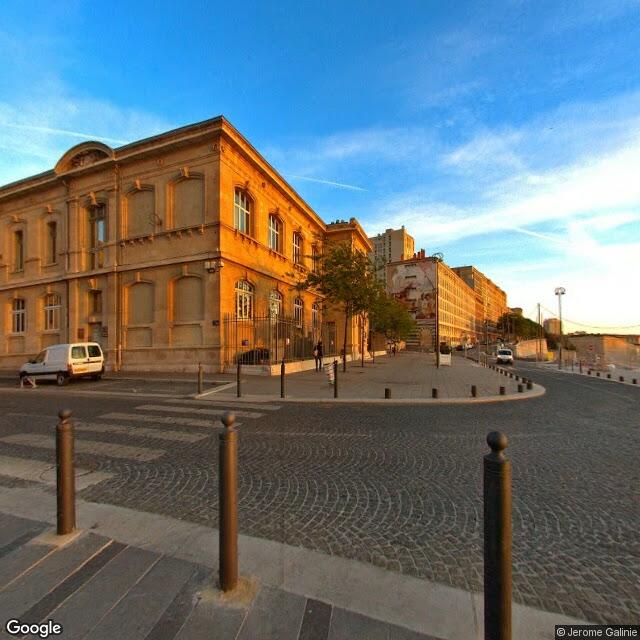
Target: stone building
(161,250)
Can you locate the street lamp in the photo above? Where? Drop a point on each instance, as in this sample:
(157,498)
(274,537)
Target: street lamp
(437,257)
(560,291)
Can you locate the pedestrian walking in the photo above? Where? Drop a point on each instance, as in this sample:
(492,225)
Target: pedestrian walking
(393,349)
(317,355)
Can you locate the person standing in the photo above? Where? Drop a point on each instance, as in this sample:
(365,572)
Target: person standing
(317,354)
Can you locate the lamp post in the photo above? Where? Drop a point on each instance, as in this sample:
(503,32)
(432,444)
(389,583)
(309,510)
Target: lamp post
(437,257)
(560,291)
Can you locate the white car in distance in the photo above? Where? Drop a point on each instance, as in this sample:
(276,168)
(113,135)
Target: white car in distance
(504,356)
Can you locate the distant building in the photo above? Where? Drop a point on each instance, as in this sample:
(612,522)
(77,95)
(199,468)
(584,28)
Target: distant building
(516,311)
(597,349)
(491,300)
(391,246)
(415,282)
(552,326)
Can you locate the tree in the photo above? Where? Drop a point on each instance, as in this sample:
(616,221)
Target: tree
(346,278)
(391,318)
(519,327)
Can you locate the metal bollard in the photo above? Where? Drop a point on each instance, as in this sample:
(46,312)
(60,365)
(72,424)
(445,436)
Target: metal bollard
(200,379)
(609,376)
(580,364)
(634,381)
(588,372)
(387,393)
(520,388)
(598,373)
(497,540)
(529,384)
(502,391)
(228,504)
(621,378)
(65,474)
(474,391)
(434,393)
(517,378)
(335,378)
(282,378)
(238,387)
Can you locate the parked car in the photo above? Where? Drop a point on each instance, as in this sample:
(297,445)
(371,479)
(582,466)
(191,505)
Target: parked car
(61,362)
(504,356)
(254,356)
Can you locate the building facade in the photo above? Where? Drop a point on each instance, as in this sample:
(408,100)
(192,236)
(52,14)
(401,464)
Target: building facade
(433,292)
(155,249)
(490,301)
(391,246)
(600,350)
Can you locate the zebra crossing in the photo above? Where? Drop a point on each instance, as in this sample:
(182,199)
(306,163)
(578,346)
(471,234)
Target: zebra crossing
(160,426)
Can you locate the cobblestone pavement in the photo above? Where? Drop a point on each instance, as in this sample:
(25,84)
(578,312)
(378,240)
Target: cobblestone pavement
(397,486)
(408,375)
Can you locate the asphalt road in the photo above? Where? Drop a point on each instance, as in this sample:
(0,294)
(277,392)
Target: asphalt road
(397,486)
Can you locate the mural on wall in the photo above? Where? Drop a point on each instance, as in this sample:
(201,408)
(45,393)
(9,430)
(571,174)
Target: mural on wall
(414,285)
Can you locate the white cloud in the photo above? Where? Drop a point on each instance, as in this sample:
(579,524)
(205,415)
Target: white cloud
(37,129)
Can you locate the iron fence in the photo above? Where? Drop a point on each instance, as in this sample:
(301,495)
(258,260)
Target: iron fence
(269,339)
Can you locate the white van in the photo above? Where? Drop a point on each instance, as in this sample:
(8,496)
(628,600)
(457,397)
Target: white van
(60,362)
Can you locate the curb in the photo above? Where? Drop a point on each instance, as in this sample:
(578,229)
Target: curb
(536,392)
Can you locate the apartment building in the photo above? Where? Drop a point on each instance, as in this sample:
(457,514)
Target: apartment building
(390,246)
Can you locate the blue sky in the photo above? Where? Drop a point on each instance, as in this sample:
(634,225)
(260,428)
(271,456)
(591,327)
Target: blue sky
(503,134)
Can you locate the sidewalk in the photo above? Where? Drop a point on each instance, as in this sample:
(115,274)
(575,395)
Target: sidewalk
(129,574)
(410,376)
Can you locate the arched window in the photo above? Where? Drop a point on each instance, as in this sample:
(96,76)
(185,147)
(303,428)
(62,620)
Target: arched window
(140,212)
(188,302)
(244,300)
(18,315)
(297,247)
(275,233)
(188,202)
(52,305)
(298,311)
(242,212)
(140,307)
(97,234)
(275,304)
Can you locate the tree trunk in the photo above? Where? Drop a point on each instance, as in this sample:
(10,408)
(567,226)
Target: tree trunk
(362,338)
(344,350)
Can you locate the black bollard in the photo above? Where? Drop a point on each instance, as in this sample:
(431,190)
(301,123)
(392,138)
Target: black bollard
(621,378)
(502,391)
(598,373)
(282,378)
(609,376)
(387,393)
(497,540)
(434,393)
(238,388)
(65,474)
(634,381)
(474,391)
(335,378)
(200,379)
(529,384)
(520,388)
(228,504)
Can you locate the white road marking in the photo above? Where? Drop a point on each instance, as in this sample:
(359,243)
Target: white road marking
(222,403)
(140,454)
(45,472)
(139,417)
(197,410)
(223,387)
(177,436)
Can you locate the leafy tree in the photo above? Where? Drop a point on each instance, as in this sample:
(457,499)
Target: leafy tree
(391,318)
(521,327)
(347,280)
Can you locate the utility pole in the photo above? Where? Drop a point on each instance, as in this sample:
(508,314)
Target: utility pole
(560,291)
(539,334)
